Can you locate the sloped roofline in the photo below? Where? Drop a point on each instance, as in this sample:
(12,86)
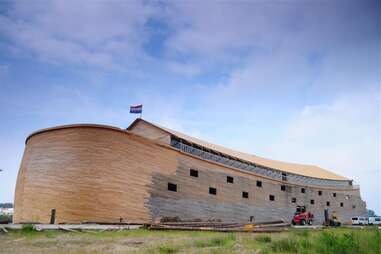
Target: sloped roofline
(294,168)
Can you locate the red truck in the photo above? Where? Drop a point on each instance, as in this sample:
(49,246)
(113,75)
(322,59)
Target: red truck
(302,217)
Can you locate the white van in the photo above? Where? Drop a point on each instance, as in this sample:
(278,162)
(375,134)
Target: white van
(359,220)
(374,220)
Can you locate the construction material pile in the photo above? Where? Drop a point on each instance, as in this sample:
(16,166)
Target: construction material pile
(266,226)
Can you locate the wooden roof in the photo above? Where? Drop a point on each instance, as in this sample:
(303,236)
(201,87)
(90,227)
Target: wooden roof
(295,168)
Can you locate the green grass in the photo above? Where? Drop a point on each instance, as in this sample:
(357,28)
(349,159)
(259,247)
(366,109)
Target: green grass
(28,231)
(263,238)
(216,242)
(327,241)
(288,245)
(167,249)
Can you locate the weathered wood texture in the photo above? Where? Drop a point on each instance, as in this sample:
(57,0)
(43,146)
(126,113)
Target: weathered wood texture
(192,200)
(88,174)
(142,128)
(100,174)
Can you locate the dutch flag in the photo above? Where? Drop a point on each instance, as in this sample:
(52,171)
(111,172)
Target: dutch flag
(138,109)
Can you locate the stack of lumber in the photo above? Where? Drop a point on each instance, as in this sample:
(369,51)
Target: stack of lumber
(273,226)
(71,227)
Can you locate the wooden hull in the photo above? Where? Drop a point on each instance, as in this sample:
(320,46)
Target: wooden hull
(91,173)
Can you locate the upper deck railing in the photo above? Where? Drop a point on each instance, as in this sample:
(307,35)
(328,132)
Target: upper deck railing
(259,170)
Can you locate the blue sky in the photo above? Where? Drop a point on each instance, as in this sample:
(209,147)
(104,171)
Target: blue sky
(287,80)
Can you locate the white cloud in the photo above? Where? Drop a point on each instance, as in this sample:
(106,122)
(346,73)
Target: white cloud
(342,136)
(208,28)
(96,34)
(211,27)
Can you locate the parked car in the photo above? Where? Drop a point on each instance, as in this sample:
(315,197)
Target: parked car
(359,220)
(374,220)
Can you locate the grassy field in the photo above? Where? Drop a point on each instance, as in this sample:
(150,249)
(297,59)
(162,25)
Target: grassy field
(337,241)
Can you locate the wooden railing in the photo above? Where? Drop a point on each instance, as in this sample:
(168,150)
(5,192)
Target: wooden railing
(260,170)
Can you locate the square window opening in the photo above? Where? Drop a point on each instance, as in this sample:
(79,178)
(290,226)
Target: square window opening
(193,173)
(172,187)
(212,191)
(229,179)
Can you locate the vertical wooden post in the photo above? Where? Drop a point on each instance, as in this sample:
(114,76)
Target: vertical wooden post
(53,216)
(326,217)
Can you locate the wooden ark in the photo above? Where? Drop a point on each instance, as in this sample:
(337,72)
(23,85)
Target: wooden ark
(97,173)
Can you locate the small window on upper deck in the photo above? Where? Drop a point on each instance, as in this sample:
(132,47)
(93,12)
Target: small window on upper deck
(193,172)
(229,179)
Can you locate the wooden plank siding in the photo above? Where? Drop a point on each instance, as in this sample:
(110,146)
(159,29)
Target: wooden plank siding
(103,174)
